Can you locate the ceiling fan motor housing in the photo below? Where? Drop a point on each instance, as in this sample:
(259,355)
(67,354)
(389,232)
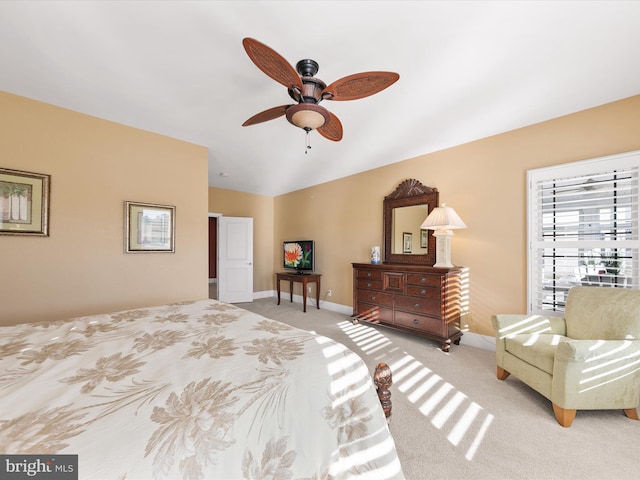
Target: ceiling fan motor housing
(311,90)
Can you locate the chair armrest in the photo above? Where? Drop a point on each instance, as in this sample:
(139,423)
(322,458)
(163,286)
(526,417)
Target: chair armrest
(585,351)
(515,324)
(596,374)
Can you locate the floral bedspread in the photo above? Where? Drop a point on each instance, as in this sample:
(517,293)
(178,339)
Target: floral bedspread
(196,390)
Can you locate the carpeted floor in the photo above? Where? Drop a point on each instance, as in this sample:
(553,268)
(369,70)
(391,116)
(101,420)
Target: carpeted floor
(452,419)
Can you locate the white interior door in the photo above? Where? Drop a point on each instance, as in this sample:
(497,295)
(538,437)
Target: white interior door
(235,259)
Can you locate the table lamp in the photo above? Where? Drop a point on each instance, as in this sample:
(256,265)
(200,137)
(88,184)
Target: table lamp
(443,220)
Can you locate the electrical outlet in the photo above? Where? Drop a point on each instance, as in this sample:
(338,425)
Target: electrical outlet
(308,288)
(329,292)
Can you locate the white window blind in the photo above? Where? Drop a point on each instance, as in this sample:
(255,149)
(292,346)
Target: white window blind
(582,229)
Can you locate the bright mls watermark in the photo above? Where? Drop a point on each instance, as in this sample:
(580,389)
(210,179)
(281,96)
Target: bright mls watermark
(43,467)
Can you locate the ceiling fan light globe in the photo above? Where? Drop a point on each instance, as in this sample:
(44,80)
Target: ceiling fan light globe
(308,119)
(307,116)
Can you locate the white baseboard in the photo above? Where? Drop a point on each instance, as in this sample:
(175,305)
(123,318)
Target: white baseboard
(336,307)
(469,338)
(479,341)
(311,301)
(267,294)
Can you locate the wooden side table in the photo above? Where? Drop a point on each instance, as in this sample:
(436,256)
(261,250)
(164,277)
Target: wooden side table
(304,278)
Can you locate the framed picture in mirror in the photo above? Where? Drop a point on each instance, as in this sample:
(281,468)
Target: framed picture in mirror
(406,242)
(423,238)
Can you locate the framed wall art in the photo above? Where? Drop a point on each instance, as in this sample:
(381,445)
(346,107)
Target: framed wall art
(149,228)
(24,203)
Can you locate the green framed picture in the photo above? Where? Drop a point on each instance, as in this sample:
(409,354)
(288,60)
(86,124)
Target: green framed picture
(24,203)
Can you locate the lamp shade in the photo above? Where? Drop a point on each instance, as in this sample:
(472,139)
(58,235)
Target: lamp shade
(443,218)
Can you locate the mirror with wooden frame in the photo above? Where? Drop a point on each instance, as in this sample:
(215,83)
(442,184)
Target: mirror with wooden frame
(404,210)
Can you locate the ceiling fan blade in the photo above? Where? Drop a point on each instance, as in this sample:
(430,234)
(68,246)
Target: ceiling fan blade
(331,130)
(271,63)
(267,115)
(359,85)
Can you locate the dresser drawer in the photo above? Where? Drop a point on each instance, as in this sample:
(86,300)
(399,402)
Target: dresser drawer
(423,291)
(425,306)
(370,284)
(374,313)
(423,279)
(419,322)
(378,298)
(370,274)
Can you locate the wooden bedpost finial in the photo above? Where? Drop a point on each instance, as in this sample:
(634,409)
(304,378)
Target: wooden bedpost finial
(382,379)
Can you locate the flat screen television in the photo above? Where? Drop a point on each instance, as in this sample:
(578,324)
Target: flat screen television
(299,255)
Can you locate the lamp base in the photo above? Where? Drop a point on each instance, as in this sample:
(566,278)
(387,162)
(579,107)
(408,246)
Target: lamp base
(443,248)
(443,265)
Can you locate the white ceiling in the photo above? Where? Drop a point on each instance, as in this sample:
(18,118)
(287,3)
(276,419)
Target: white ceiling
(468,70)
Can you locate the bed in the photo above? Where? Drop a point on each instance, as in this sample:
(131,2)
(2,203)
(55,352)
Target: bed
(194,390)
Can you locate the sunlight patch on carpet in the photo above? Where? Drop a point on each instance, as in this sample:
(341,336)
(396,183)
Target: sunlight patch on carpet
(449,410)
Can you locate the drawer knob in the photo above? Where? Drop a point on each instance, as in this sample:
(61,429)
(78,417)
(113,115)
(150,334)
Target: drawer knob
(423,291)
(423,279)
(416,305)
(368,274)
(373,297)
(369,284)
(416,321)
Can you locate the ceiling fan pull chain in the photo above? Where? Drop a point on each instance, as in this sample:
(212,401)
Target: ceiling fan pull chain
(308,143)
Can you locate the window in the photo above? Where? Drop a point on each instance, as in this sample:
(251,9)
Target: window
(582,228)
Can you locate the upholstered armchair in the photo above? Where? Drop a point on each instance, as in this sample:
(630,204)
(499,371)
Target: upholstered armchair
(588,360)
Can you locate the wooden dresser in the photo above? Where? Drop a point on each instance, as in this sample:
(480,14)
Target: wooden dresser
(417,299)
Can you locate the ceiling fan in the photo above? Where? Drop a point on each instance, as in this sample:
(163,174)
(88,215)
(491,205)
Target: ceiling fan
(308,91)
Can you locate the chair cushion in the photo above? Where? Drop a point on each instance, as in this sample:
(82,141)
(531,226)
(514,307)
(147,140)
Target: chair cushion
(536,349)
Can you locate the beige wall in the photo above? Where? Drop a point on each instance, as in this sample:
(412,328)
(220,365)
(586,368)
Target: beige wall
(259,207)
(96,165)
(483,180)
